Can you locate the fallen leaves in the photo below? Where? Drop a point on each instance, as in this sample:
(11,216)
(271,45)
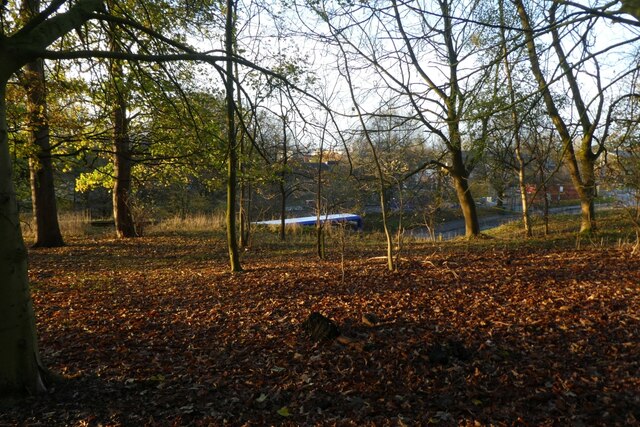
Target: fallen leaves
(151,331)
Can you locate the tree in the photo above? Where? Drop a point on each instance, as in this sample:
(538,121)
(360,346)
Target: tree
(580,160)
(232,142)
(518,149)
(20,367)
(623,159)
(122,156)
(632,7)
(43,196)
(452,104)
(403,43)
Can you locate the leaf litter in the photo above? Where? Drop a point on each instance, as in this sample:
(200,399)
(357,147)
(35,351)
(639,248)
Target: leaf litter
(155,331)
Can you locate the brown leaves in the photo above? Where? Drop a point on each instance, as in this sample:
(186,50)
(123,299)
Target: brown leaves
(151,331)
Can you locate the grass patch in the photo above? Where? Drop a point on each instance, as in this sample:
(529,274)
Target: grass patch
(195,223)
(613,229)
(74,224)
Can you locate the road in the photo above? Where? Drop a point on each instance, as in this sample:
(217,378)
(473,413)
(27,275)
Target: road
(450,229)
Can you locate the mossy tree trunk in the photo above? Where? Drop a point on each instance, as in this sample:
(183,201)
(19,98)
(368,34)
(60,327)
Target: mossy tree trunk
(460,177)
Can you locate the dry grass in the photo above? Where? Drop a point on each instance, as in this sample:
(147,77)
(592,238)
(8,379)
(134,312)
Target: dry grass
(192,223)
(71,224)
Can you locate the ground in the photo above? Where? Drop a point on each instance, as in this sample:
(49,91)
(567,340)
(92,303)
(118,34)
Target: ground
(155,331)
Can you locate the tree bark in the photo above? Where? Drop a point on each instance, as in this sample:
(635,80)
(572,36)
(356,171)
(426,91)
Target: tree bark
(245,192)
(460,176)
(320,241)
(20,367)
(283,208)
(245,204)
(232,146)
(43,196)
(632,7)
(122,216)
(122,162)
(467,204)
(588,193)
(283,178)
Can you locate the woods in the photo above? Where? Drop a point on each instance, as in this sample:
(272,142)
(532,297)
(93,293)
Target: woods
(413,114)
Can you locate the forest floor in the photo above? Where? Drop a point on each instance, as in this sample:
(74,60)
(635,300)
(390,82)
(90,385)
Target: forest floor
(155,331)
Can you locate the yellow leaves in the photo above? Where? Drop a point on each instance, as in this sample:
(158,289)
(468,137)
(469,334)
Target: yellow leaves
(99,177)
(284,412)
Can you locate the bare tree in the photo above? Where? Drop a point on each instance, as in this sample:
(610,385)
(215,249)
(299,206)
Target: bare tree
(417,53)
(521,165)
(580,158)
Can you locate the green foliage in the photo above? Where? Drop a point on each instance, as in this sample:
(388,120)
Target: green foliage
(96,178)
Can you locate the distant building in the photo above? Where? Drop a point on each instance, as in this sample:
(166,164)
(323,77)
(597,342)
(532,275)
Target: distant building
(555,192)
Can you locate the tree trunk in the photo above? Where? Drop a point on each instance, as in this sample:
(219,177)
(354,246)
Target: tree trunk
(546,212)
(320,242)
(122,162)
(282,185)
(458,169)
(20,367)
(43,196)
(245,202)
(283,208)
(232,146)
(232,242)
(283,174)
(244,215)
(588,194)
(467,204)
(523,199)
(122,185)
(122,170)
(383,206)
